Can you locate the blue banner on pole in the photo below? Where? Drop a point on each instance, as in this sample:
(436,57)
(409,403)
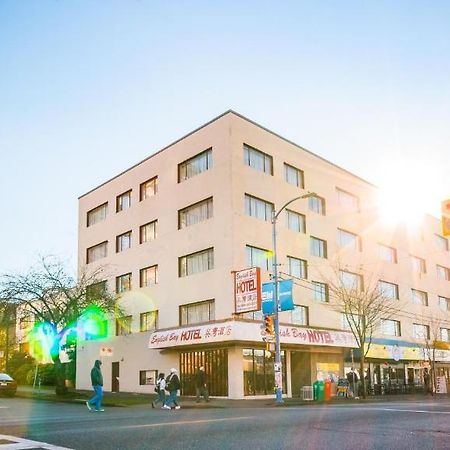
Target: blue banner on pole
(284,294)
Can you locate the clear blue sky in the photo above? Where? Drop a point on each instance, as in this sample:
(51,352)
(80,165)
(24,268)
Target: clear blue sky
(88,88)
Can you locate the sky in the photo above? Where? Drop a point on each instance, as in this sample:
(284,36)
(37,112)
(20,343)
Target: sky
(89,88)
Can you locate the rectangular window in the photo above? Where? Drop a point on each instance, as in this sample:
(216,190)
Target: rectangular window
(297,267)
(147,377)
(123,283)
(195,165)
(148,188)
(294,176)
(258,160)
(148,276)
(419,297)
(349,321)
(317,205)
(198,212)
(351,280)
(148,232)
(299,315)
(318,247)
(295,221)
(441,242)
(418,264)
(123,325)
(259,257)
(97,214)
(386,253)
(123,201)
(196,262)
(255,207)
(421,331)
(388,290)
(444,303)
(148,321)
(320,292)
(445,334)
(349,240)
(123,241)
(348,201)
(197,312)
(443,273)
(97,252)
(390,327)
(96,291)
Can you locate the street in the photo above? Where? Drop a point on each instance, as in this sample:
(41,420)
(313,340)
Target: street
(381,425)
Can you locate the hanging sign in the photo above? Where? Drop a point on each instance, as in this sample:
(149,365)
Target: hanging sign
(286,300)
(247,290)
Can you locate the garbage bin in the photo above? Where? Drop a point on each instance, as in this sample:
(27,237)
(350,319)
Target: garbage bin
(316,390)
(320,391)
(327,390)
(307,393)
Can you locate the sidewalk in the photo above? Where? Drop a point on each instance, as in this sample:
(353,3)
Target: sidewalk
(126,399)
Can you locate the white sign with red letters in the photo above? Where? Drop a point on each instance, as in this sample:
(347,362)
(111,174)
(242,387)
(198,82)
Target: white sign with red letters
(247,290)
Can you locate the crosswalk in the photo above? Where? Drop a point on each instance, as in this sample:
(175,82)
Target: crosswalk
(16,443)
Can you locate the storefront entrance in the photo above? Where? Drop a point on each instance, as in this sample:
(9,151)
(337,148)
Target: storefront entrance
(215,363)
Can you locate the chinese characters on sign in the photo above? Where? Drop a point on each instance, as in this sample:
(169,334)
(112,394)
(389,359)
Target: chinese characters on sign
(247,290)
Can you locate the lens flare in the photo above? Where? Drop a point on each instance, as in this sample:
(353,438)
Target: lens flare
(92,324)
(41,339)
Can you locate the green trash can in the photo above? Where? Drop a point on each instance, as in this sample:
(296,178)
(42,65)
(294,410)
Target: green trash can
(316,390)
(320,391)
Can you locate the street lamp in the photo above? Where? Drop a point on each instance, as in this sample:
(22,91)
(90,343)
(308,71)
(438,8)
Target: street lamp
(277,365)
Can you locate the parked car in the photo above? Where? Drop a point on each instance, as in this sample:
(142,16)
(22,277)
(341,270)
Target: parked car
(8,385)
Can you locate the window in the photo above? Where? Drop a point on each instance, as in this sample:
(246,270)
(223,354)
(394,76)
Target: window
(418,264)
(390,327)
(148,276)
(297,267)
(347,200)
(123,325)
(421,331)
(318,247)
(386,253)
(258,208)
(148,188)
(195,213)
(317,205)
(253,315)
(97,252)
(299,315)
(123,201)
(197,312)
(349,320)
(388,290)
(96,291)
(147,377)
(349,240)
(258,257)
(195,165)
(123,283)
(196,262)
(419,297)
(444,303)
(295,221)
(97,214)
(320,292)
(294,176)
(445,334)
(123,241)
(258,160)
(351,280)
(148,321)
(443,273)
(148,232)
(441,242)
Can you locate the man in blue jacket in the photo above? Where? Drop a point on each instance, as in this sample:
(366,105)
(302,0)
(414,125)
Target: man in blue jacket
(97,384)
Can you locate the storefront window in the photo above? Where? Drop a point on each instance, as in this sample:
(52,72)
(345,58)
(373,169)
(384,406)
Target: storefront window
(259,377)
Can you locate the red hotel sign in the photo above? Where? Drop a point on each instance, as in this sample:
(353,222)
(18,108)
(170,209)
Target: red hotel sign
(247,290)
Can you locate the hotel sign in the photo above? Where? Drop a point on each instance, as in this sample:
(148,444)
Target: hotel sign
(247,290)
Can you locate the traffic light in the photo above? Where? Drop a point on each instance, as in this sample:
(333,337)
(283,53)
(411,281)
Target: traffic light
(268,325)
(446,217)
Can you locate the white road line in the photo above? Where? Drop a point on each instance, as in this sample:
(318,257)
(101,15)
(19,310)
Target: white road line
(18,443)
(187,422)
(419,411)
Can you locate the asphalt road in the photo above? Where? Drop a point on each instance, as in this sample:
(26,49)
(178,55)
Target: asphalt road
(392,425)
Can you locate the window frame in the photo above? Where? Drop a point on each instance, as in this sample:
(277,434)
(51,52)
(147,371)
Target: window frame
(355,243)
(301,218)
(183,262)
(425,297)
(350,206)
(119,282)
(145,314)
(323,247)
(119,204)
(155,231)
(209,203)
(89,260)
(392,251)
(314,200)
(119,244)
(397,327)
(208,154)
(91,213)
(141,276)
(425,327)
(251,260)
(303,264)
(299,175)
(324,291)
(266,159)
(143,188)
(395,286)
(121,329)
(268,207)
(211,312)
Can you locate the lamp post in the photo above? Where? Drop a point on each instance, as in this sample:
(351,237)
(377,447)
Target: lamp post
(277,365)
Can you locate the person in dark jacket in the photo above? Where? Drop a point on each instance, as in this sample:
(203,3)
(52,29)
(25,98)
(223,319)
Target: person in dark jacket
(97,384)
(201,388)
(160,389)
(172,385)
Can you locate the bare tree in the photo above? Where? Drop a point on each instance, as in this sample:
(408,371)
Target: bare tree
(55,297)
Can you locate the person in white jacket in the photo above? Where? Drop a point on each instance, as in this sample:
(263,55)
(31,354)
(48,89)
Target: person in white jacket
(160,389)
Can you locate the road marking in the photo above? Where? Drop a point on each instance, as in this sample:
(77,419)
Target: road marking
(17,443)
(419,411)
(188,422)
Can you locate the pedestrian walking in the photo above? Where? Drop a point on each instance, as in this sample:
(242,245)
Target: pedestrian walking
(172,385)
(353,382)
(160,389)
(97,384)
(201,388)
